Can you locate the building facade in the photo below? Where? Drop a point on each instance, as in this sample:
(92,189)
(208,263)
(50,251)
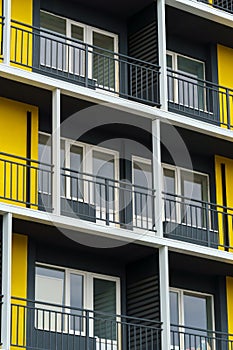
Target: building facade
(116,164)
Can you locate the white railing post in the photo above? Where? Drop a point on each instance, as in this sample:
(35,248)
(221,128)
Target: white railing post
(6,280)
(6,31)
(56,187)
(164,297)
(157,180)
(162,53)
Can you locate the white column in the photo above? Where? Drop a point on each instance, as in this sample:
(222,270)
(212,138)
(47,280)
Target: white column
(6,280)
(157,172)
(6,31)
(56,188)
(162,53)
(164,297)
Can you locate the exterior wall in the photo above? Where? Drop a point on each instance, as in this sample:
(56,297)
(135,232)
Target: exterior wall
(22,11)
(13,140)
(19,286)
(227,193)
(229,284)
(225,73)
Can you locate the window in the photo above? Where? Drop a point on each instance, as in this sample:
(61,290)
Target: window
(143,199)
(185,194)
(185,81)
(61,51)
(191,316)
(62,295)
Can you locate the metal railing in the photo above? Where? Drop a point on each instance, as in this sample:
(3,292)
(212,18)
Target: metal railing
(183,337)
(198,222)
(1,36)
(22,181)
(39,325)
(90,66)
(225,5)
(96,198)
(200,99)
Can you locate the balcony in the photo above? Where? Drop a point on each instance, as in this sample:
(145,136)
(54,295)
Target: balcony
(183,337)
(197,222)
(53,326)
(28,183)
(200,99)
(226,5)
(1,36)
(68,59)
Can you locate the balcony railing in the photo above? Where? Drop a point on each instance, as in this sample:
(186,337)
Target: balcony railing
(69,59)
(198,222)
(183,338)
(107,201)
(1,37)
(22,180)
(225,5)
(200,99)
(37,325)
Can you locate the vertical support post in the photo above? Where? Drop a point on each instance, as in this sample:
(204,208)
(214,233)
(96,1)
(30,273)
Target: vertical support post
(6,31)
(162,53)
(6,280)
(56,116)
(164,297)
(157,178)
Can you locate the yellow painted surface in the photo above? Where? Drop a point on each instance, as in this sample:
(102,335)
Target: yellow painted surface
(21,42)
(229,195)
(225,74)
(13,140)
(19,288)
(229,288)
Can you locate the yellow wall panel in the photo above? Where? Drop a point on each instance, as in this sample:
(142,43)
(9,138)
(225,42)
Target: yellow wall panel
(19,288)
(229,287)
(21,42)
(229,195)
(13,140)
(225,74)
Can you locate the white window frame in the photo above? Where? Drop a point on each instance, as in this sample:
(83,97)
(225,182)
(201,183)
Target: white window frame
(174,56)
(178,171)
(88,39)
(88,296)
(180,292)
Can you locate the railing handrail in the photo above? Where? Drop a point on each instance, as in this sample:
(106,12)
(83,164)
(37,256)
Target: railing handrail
(106,179)
(76,41)
(206,82)
(81,309)
(180,326)
(195,200)
(24,159)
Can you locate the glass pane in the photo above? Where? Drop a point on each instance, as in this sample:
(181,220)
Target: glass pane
(143,198)
(170,80)
(49,288)
(195,187)
(104,166)
(105,304)
(76,301)
(174,318)
(77,51)
(170,206)
(103,61)
(53,23)
(44,175)
(197,314)
(76,180)
(190,90)
(52,47)
(169,61)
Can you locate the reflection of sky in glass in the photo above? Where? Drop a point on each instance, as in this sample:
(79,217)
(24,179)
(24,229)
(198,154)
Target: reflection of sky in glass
(195,311)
